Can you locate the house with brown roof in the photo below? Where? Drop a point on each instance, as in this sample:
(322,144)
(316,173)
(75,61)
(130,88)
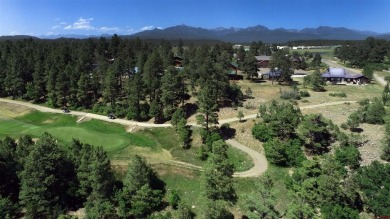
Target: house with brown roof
(263,61)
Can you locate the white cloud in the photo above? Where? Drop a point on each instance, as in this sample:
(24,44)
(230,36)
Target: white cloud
(56,27)
(14,33)
(81,24)
(108,29)
(149,28)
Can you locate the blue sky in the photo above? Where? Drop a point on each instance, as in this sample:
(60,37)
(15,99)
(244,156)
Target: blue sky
(95,17)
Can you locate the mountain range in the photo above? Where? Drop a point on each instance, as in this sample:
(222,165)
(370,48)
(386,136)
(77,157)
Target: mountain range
(256,33)
(241,35)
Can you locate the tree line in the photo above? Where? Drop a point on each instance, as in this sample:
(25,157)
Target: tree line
(128,77)
(369,54)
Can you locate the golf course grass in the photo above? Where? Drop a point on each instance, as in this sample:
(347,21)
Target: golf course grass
(157,144)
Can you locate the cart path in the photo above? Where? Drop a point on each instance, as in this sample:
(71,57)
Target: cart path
(259,160)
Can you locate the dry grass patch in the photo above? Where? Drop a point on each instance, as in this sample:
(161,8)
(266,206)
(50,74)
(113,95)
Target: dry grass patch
(371,150)
(244,135)
(166,169)
(150,154)
(338,114)
(353,92)
(10,110)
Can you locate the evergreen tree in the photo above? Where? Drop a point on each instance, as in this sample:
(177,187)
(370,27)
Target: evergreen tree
(142,190)
(170,87)
(315,81)
(280,60)
(262,204)
(45,180)
(386,94)
(9,181)
(110,86)
(250,66)
(135,95)
(178,115)
(218,175)
(183,212)
(217,210)
(374,184)
(315,131)
(208,107)
(151,74)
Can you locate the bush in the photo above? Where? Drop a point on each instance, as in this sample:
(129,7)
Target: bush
(284,153)
(341,94)
(304,93)
(337,211)
(202,153)
(262,132)
(348,156)
(174,199)
(290,95)
(249,105)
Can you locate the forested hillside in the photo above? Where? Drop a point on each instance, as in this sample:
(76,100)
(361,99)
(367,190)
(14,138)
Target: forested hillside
(130,78)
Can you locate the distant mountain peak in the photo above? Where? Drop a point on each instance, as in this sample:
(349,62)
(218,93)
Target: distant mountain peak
(246,35)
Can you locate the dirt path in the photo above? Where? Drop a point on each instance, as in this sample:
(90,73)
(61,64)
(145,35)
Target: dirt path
(84,114)
(259,160)
(380,79)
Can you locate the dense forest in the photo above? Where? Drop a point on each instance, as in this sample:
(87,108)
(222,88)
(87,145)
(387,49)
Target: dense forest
(130,78)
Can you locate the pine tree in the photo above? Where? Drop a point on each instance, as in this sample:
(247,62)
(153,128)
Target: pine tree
(9,181)
(45,180)
(151,74)
(262,204)
(218,175)
(135,94)
(170,87)
(208,107)
(140,183)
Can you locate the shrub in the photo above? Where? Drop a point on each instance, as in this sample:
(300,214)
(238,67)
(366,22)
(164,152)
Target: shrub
(341,94)
(284,153)
(249,105)
(262,132)
(290,95)
(348,156)
(174,199)
(304,93)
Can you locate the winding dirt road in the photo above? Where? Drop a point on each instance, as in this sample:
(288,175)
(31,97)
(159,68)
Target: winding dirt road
(259,160)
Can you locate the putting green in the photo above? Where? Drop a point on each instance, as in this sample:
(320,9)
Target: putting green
(109,142)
